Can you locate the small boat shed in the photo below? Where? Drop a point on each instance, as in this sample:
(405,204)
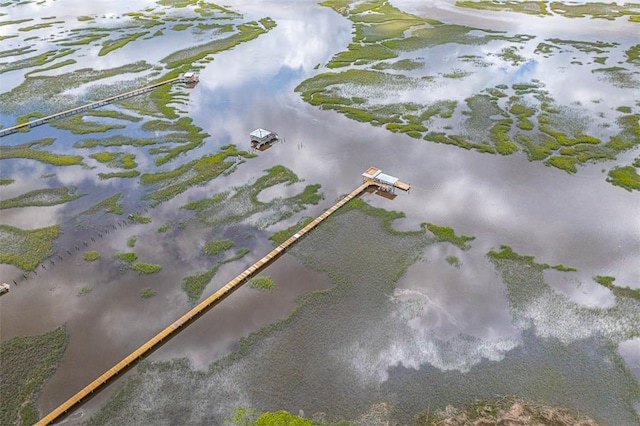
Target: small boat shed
(385,182)
(260,137)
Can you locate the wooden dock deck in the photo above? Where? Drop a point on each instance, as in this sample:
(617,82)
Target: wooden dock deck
(97,104)
(196,311)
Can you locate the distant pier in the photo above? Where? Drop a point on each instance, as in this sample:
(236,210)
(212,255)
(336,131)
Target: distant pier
(188,78)
(372,178)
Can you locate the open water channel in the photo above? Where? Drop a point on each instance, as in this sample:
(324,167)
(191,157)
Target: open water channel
(443,335)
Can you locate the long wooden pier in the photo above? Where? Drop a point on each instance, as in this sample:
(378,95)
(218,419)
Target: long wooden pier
(196,311)
(97,104)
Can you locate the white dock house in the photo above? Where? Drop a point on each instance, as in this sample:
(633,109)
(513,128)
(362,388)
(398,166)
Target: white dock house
(260,137)
(385,182)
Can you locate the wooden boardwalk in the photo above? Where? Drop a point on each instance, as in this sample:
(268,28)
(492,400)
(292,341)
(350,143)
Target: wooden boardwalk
(196,311)
(40,121)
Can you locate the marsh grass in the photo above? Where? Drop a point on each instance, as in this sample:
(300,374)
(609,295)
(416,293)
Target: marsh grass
(42,197)
(197,172)
(147,292)
(26,249)
(124,174)
(626,177)
(195,285)
(83,291)
(110,204)
(213,248)
(91,255)
(230,207)
(262,283)
(109,46)
(27,363)
(445,233)
(26,150)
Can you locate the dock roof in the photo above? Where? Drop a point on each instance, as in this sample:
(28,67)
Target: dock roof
(261,133)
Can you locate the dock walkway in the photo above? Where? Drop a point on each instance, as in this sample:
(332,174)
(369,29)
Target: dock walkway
(97,104)
(196,311)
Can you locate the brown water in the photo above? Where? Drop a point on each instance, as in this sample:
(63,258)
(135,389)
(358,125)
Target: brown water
(578,220)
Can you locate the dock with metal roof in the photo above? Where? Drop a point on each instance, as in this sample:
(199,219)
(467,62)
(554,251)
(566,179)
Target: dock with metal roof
(384,181)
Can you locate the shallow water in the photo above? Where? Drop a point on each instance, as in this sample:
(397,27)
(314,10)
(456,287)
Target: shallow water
(577,220)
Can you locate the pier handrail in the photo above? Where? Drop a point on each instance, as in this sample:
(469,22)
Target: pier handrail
(43,120)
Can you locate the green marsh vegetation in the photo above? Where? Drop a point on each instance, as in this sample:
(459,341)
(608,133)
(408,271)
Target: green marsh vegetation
(503,120)
(233,206)
(27,363)
(261,283)
(26,249)
(83,291)
(41,197)
(166,185)
(361,295)
(215,247)
(26,150)
(283,235)
(124,174)
(109,46)
(194,285)
(33,61)
(77,124)
(147,292)
(445,233)
(453,261)
(116,159)
(129,260)
(6,181)
(626,177)
(139,218)
(91,255)
(131,241)
(607,281)
(110,204)
(600,10)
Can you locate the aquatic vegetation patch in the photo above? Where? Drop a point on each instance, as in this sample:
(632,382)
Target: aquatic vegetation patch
(116,140)
(194,285)
(110,204)
(453,261)
(124,174)
(27,363)
(445,233)
(139,218)
(215,247)
(626,177)
(262,282)
(619,77)
(146,268)
(116,159)
(607,281)
(109,113)
(77,124)
(33,61)
(131,241)
(246,32)
(197,172)
(42,197)
(504,410)
(6,181)
(597,10)
(109,46)
(25,150)
(46,92)
(91,255)
(26,249)
(147,292)
(283,235)
(633,54)
(83,291)
(243,202)
(52,67)
(528,7)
